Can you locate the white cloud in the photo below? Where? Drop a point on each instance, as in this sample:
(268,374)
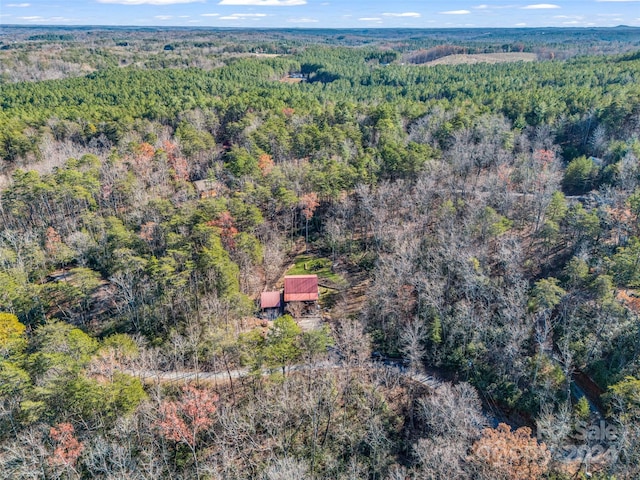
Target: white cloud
(148,2)
(404,14)
(32,18)
(242,16)
(370,19)
(485,6)
(264,3)
(456,12)
(164,17)
(521,24)
(18,5)
(303,20)
(210,15)
(540,6)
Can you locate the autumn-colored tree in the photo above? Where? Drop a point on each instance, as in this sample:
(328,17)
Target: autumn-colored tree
(141,161)
(308,203)
(516,455)
(226,223)
(182,420)
(52,240)
(147,231)
(177,162)
(67,447)
(145,151)
(265,164)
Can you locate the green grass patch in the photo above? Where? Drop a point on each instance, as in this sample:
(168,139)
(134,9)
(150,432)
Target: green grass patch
(321,266)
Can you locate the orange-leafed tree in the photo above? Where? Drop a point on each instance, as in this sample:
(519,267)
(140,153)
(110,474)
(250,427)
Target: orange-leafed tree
(146,151)
(141,160)
(308,202)
(52,241)
(513,454)
(183,419)
(67,448)
(148,231)
(228,231)
(265,164)
(176,161)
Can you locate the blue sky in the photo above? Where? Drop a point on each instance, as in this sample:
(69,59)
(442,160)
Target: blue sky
(322,13)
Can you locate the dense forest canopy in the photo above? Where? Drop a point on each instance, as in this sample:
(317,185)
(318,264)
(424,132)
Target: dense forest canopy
(475,230)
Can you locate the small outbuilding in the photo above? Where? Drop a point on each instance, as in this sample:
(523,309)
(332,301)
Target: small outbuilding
(271,304)
(206,188)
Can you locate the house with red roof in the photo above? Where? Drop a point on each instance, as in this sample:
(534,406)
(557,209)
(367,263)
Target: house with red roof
(300,288)
(297,288)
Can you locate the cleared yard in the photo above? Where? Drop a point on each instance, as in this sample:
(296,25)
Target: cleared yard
(309,265)
(461,59)
(289,79)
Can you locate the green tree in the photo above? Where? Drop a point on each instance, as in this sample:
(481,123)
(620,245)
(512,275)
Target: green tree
(626,264)
(492,224)
(581,408)
(215,259)
(240,162)
(557,208)
(580,176)
(12,335)
(546,294)
(315,342)
(623,398)
(281,345)
(193,141)
(576,271)
(585,225)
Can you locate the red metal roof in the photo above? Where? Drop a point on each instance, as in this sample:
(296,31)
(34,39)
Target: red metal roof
(300,288)
(270,300)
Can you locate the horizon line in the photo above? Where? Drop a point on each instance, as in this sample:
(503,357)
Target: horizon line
(214,27)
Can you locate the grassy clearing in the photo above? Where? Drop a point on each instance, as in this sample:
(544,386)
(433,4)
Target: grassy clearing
(470,59)
(321,266)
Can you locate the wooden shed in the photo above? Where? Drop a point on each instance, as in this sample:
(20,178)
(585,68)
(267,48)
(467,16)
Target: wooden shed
(206,188)
(271,304)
